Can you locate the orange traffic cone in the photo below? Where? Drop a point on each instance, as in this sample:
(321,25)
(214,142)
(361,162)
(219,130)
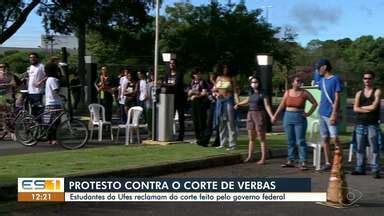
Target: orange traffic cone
(337,187)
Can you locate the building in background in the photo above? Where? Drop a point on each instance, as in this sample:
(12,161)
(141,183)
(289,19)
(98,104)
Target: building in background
(54,42)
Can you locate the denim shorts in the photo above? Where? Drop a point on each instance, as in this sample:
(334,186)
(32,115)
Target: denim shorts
(326,128)
(256,120)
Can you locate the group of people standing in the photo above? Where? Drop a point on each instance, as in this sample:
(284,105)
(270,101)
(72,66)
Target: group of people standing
(29,90)
(129,89)
(217,99)
(366,106)
(214,103)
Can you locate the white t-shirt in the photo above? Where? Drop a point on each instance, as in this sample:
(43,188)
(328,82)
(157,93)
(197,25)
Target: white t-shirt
(122,85)
(51,97)
(35,74)
(143,89)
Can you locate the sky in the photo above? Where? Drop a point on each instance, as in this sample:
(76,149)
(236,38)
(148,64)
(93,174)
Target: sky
(310,19)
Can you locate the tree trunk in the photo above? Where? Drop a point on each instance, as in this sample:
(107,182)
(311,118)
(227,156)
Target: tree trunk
(19,22)
(81,51)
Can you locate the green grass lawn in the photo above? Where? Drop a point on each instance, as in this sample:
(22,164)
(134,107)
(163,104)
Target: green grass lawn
(62,163)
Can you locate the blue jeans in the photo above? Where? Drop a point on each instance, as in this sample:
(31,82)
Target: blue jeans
(123,115)
(227,123)
(367,135)
(295,126)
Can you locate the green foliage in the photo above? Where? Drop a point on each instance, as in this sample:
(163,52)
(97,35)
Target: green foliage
(65,16)
(134,48)
(350,58)
(18,60)
(106,18)
(205,35)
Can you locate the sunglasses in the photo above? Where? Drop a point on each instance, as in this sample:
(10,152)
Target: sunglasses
(367,78)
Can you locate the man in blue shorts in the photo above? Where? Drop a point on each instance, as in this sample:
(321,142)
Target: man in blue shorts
(329,109)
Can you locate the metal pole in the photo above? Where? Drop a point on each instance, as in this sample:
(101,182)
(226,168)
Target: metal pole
(155,71)
(266,11)
(64,54)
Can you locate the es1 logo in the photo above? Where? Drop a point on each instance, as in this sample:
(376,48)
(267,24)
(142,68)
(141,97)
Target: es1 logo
(41,184)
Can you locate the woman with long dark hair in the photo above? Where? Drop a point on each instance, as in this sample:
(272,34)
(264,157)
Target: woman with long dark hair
(256,118)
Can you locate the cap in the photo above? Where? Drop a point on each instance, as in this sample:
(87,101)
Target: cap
(322,62)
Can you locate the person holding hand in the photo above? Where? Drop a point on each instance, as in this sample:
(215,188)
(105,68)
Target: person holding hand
(295,121)
(258,107)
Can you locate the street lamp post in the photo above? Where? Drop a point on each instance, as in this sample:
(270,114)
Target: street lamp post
(154,89)
(265,62)
(168,56)
(267,11)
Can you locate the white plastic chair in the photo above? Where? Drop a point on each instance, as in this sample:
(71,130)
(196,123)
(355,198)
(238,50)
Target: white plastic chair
(316,144)
(98,120)
(133,118)
(175,121)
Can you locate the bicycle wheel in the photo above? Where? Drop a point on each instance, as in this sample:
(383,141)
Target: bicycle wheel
(3,132)
(25,130)
(72,134)
(3,126)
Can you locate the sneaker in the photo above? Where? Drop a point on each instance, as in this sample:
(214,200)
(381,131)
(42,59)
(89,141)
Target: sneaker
(326,168)
(376,175)
(219,147)
(357,173)
(231,148)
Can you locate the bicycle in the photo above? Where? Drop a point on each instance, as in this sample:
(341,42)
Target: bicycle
(10,117)
(71,133)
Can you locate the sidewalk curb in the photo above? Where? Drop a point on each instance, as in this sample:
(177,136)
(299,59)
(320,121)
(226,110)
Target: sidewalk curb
(9,192)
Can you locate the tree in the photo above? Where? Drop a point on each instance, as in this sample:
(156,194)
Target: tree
(123,45)
(13,14)
(203,35)
(78,17)
(287,54)
(349,58)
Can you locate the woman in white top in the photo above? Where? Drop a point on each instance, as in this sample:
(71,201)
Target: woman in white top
(121,97)
(52,99)
(143,92)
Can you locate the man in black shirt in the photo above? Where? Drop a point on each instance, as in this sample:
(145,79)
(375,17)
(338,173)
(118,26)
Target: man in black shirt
(197,94)
(367,108)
